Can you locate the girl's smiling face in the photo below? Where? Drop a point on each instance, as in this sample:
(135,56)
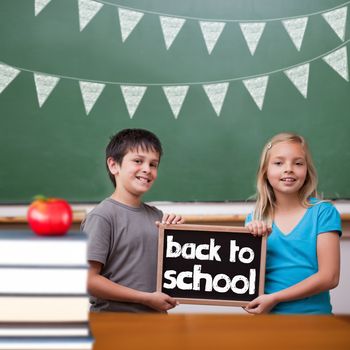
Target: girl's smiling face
(287,168)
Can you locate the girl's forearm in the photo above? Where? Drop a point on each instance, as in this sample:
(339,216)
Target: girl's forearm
(312,285)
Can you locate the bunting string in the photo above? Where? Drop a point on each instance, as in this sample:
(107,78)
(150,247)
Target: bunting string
(216,19)
(183,83)
(211,29)
(175,94)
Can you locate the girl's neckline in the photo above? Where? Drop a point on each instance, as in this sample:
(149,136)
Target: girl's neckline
(295,226)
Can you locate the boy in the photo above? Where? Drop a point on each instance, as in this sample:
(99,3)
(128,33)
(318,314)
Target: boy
(123,236)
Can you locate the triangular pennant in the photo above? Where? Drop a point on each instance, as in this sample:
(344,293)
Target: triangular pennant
(299,76)
(171,27)
(337,20)
(257,88)
(132,97)
(87,11)
(338,60)
(44,85)
(175,96)
(252,33)
(90,93)
(211,32)
(296,30)
(7,74)
(39,5)
(216,94)
(128,21)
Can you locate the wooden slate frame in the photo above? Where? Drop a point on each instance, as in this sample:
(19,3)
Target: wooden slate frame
(215,230)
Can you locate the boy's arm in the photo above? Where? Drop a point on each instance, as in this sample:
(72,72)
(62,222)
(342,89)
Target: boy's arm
(326,278)
(101,287)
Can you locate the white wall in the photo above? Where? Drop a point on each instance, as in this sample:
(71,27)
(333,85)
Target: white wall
(340,296)
(230,208)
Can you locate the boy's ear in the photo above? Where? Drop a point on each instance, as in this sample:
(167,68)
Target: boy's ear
(113,166)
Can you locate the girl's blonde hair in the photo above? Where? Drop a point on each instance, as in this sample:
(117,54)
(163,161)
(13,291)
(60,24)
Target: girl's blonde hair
(265,197)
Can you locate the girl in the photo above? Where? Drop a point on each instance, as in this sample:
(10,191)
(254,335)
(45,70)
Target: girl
(303,254)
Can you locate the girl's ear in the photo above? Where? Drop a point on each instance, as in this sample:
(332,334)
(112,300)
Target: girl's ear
(113,166)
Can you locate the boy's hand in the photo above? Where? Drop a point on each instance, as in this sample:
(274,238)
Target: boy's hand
(259,228)
(160,301)
(171,219)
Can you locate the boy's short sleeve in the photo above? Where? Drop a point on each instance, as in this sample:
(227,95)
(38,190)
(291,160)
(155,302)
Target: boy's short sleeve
(328,219)
(99,235)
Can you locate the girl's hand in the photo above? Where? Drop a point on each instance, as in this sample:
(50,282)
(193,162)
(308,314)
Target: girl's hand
(171,219)
(261,305)
(259,228)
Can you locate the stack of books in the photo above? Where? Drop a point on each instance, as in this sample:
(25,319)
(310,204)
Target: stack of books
(43,291)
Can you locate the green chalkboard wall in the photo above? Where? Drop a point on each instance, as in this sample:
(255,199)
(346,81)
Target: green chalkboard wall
(58,149)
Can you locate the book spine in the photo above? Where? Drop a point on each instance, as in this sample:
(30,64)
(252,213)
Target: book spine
(43,280)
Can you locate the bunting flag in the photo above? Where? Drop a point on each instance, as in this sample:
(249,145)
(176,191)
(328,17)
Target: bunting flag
(299,76)
(39,5)
(7,74)
(252,33)
(128,21)
(337,20)
(338,60)
(211,32)
(170,27)
(90,93)
(257,88)
(175,96)
(216,94)
(87,11)
(296,30)
(132,97)
(44,85)
(216,91)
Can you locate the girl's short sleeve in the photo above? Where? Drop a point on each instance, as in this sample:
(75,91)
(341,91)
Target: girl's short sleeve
(328,219)
(248,219)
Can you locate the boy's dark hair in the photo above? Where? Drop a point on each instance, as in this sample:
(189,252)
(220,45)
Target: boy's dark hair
(131,139)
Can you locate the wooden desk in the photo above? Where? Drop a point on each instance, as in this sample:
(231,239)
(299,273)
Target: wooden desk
(219,332)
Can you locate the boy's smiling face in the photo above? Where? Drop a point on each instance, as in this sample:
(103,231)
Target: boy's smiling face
(135,175)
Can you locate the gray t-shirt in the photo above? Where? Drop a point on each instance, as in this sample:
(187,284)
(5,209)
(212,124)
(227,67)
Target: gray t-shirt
(125,240)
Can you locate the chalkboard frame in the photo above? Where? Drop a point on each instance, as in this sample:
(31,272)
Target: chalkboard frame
(212,229)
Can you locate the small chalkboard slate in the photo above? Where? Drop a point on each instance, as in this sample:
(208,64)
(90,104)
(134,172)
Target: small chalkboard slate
(212,265)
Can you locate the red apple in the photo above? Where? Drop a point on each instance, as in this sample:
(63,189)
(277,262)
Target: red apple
(50,216)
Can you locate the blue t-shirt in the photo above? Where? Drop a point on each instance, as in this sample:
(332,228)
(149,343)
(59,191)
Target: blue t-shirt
(292,258)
